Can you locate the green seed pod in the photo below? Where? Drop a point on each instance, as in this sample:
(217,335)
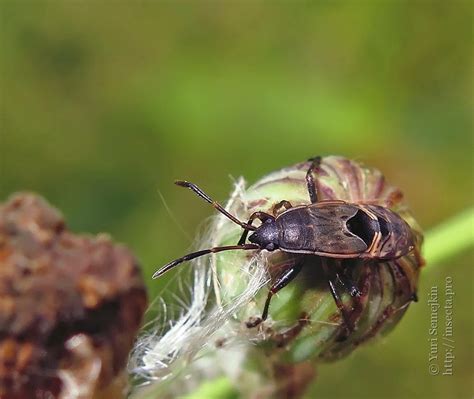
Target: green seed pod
(304,322)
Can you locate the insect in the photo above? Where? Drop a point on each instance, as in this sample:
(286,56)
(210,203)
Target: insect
(329,229)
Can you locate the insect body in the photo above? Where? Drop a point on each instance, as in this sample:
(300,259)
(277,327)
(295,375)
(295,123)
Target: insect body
(337,229)
(329,229)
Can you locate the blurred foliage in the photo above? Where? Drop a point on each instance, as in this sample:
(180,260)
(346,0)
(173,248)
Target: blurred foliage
(105,103)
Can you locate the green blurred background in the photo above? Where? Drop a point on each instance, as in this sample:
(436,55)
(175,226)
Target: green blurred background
(105,103)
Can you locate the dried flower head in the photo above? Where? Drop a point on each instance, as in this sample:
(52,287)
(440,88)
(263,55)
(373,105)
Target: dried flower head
(70,306)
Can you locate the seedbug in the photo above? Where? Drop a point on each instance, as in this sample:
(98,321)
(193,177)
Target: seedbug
(328,229)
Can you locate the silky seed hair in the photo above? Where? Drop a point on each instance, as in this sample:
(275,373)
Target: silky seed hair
(169,344)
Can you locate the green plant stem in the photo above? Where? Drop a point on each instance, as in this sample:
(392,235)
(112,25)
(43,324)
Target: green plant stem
(441,243)
(450,238)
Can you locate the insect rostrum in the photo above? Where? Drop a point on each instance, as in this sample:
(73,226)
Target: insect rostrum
(343,227)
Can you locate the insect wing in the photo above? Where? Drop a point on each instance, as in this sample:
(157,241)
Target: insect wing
(331,223)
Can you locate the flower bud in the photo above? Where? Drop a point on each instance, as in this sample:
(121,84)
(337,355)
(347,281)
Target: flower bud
(304,322)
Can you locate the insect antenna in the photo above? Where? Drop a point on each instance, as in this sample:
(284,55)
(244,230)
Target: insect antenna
(202,252)
(216,205)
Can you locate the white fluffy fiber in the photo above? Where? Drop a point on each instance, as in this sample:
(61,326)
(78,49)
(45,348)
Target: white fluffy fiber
(170,346)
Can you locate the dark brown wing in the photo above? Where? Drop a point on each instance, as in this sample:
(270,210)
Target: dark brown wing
(321,229)
(330,222)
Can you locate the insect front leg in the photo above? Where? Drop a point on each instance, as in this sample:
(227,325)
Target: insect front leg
(312,190)
(280,282)
(282,204)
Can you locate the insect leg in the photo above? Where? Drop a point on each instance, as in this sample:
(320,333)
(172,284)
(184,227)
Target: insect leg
(281,281)
(346,281)
(348,285)
(285,337)
(312,191)
(282,204)
(262,216)
(340,305)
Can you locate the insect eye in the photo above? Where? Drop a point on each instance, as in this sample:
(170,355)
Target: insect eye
(360,226)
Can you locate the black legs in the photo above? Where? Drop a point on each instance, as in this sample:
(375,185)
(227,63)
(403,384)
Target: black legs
(312,190)
(281,281)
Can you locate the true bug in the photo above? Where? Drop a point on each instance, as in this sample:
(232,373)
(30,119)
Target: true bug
(330,229)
